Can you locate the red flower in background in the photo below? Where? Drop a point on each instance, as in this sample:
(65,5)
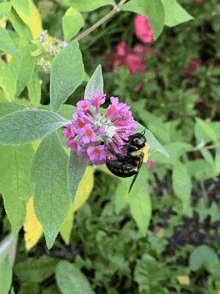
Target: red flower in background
(198,1)
(127,56)
(192,66)
(142,29)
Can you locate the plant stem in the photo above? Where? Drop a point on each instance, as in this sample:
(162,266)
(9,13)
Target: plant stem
(101,21)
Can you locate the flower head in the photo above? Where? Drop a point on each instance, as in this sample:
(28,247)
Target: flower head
(91,132)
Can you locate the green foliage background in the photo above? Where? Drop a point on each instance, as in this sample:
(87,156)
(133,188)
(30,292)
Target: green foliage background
(114,247)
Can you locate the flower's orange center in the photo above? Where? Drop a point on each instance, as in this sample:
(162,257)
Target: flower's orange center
(81,125)
(96,151)
(88,133)
(84,106)
(69,132)
(71,138)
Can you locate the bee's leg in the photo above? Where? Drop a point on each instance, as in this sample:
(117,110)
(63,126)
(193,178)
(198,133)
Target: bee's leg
(118,155)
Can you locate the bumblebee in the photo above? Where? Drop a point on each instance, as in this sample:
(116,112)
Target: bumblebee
(129,164)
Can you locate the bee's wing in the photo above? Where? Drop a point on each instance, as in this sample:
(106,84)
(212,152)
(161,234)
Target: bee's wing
(138,169)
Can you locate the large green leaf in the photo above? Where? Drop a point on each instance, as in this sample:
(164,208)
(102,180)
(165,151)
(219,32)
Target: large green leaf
(182,184)
(51,193)
(204,131)
(7,81)
(23,9)
(76,170)
(174,13)
(5,275)
(36,270)
(5,8)
(95,84)
(34,88)
(8,107)
(23,66)
(66,74)
(22,127)
(88,5)
(6,43)
(201,169)
(15,185)
(72,22)
(20,27)
(175,150)
(70,279)
(140,202)
(153,10)
(202,256)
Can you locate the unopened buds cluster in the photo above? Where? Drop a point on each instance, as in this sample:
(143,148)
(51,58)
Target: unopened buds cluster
(92,132)
(52,46)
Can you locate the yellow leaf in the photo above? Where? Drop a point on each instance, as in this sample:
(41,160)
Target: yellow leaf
(32,227)
(83,192)
(36,26)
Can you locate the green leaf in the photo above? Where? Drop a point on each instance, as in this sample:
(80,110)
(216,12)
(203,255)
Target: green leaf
(35,270)
(7,81)
(23,66)
(201,169)
(174,13)
(6,43)
(88,5)
(23,9)
(9,107)
(153,10)
(206,129)
(5,275)
(202,256)
(19,26)
(140,202)
(140,207)
(149,272)
(66,74)
(14,182)
(22,127)
(217,161)
(122,199)
(175,150)
(207,155)
(5,8)
(70,279)
(67,111)
(72,22)
(51,194)
(34,88)
(76,170)
(95,84)
(182,184)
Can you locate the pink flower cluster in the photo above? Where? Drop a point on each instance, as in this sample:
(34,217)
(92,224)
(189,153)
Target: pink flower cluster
(127,56)
(142,29)
(91,131)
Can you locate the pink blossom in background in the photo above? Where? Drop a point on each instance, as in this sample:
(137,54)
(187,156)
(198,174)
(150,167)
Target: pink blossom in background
(138,88)
(141,49)
(150,163)
(127,56)
(198,1)
(142,29)
(192,66)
